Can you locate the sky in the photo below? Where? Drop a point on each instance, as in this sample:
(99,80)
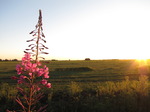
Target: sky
(77,29)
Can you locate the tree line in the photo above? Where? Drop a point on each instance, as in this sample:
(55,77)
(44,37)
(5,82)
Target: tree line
(8,59)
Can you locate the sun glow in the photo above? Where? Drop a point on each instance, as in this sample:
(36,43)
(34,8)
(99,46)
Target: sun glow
(143,66)
(142,61)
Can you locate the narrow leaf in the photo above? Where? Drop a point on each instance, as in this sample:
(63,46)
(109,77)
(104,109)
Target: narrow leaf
(20,103)
(44,40)
(33,47)
(25,52)
(42,58)
(33,55)
(41,28)
(44,46)
(28,49)
(43,35)
(42,108)
(36,26)
(30,45)
(34,34)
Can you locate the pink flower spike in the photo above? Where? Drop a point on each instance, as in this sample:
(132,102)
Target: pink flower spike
(48,85)
(44,82)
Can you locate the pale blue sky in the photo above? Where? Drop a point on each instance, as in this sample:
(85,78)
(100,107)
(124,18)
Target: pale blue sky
(78,29)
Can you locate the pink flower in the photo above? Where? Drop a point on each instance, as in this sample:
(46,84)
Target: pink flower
(44,82)
(19,69)
(48,85)
(27,56)
(34,65)
(14,77)
(38,88)
(27,66)
(23,60)
(45,68)
(45,75)
(40,72)
(38,63)
(30,74)
(20,81)
(22,77)
(37,69)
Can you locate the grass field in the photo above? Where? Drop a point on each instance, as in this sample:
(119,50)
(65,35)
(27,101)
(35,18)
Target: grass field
(80,71)
(86,86)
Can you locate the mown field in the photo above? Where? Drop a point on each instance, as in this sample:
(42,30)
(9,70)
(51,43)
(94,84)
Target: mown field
(86,86)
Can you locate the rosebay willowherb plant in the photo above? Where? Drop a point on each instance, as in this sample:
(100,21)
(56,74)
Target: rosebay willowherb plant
(32,75)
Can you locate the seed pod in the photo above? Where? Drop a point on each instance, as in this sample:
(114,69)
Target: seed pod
(28,49)
(30,40)
(44,40)
(44,53)
(25,52)
(31,32)
(43,35)
(36,26)
(30,45)
(42,58)
(33,55)
(34,34)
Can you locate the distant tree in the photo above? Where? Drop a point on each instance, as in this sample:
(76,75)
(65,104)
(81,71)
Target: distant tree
(14,60)
(6,60)
(1,60)
(87,59)
(54,60)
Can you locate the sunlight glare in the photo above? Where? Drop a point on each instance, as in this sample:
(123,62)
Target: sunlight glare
(142,61)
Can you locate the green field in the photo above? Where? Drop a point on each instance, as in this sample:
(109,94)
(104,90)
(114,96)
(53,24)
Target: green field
(80,71)
(86,86)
